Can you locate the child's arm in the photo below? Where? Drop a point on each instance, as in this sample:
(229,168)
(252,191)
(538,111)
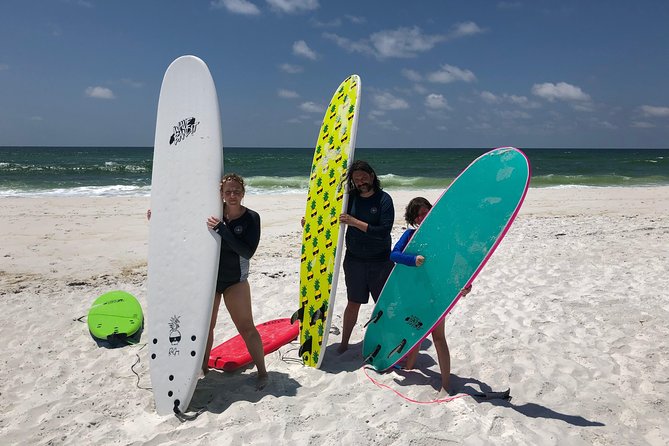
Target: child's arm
(398,256)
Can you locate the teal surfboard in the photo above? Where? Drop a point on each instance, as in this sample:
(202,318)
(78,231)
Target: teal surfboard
(456,238)
(115,316)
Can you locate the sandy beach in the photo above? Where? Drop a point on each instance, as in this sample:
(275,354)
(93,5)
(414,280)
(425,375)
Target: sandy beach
(571,313)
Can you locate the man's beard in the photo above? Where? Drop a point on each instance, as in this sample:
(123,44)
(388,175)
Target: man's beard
(364,188)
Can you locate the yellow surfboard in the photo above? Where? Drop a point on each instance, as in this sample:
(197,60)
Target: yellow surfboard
(322,235)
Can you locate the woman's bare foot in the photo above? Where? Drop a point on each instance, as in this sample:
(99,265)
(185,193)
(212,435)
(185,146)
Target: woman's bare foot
(262,381)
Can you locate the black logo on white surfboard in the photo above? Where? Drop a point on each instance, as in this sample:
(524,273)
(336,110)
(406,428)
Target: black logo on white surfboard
(175,335)
(183,130)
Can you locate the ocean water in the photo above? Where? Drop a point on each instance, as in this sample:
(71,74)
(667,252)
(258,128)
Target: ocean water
(126,171)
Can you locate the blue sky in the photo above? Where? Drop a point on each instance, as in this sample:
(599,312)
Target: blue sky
(436,73)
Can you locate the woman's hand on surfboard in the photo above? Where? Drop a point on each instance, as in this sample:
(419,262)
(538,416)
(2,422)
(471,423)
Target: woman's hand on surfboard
(212,222)
(466,290)
(420,260)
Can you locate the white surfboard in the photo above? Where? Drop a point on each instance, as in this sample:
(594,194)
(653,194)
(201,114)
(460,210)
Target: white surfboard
(183,252)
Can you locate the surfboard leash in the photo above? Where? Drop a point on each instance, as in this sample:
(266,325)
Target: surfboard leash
(289,359)
(132,368)
(411,400)
(128,341)
(183,417)
(298,360)
(504,395)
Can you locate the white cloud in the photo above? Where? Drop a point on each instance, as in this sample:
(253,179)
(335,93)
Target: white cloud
(387,124)
(402,42)
(243,7)
(132,83)
(293,6)
(311,107)
(605,124)
(357,20)
(300,48)
(561,91)
(583,106)
(412,75)
(521,101)
(291,69)
(490,98)
(477,125)
(480,121)
(337,22)
(99,93)
(334,23)
(287,94)
(386,101)
(450,73)
(436,102)
(642,125)
(349,45)
(653,111)
(514,114)
(418,88)
(465,29)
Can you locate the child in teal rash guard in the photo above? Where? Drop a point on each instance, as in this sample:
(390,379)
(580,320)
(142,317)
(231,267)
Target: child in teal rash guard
(415,213)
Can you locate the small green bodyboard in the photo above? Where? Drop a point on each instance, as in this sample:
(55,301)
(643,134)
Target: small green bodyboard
(115,315)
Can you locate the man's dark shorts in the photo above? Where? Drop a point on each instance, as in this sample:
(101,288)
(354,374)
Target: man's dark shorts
(363,278)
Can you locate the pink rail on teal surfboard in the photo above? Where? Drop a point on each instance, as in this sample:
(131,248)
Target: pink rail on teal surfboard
(457,238)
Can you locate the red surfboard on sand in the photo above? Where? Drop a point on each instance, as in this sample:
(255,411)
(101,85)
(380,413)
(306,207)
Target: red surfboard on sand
(232,354)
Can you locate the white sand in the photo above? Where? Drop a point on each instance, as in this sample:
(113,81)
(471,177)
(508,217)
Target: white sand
(571,313)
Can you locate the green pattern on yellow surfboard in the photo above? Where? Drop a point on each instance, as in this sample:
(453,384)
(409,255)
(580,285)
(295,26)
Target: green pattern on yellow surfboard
(320,236)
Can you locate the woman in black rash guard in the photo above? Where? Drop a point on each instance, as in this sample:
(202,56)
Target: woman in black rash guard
(240,235)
